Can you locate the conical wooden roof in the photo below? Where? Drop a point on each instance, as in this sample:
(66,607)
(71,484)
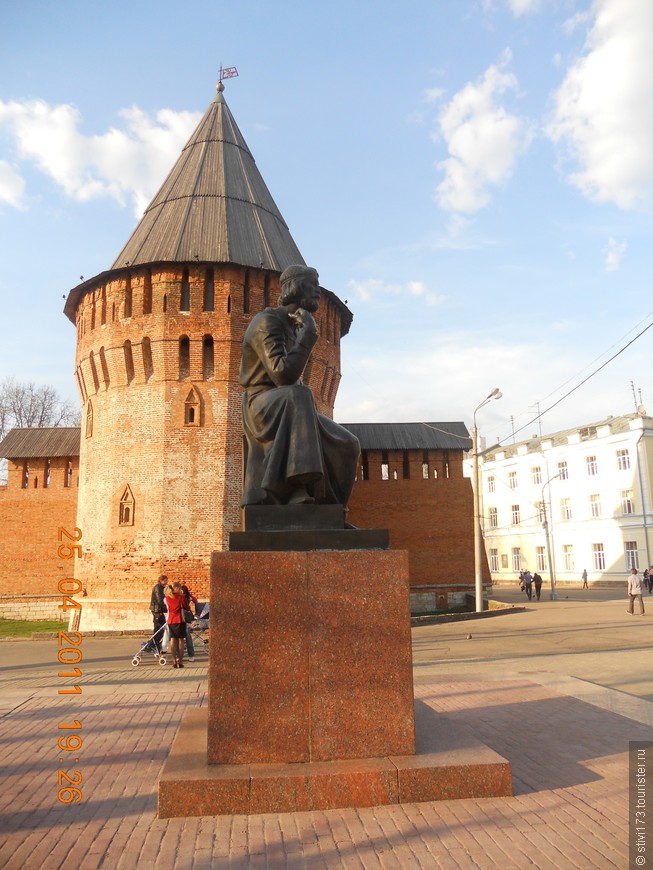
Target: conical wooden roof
(213,207)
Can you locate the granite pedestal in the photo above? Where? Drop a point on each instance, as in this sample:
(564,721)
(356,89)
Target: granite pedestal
(311,695)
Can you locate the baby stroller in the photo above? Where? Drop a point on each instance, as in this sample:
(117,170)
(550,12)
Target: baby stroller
(150,646)
(200,626)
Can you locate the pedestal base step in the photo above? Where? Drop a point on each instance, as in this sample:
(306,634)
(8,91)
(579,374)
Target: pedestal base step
(450,763)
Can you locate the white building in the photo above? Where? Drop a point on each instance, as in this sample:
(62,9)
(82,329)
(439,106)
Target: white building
(591,486)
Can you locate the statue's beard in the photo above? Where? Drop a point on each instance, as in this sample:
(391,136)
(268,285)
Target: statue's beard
(310,304)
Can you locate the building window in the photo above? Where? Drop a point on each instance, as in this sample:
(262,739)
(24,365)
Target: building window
(540,558)
(184,357)
(494,559)
(406,465)
(595,505)
(515,514)
(493,518)
(25,479)
(365,466)
(563,471)
(632,558)
(126,510)
(46,474)
(592,467)
(541,512)
(147,292)
(568,556)
(103,309)
(385,467)
(627,503)
(516,559)
(537,474)
(68,477)
(565,508)
(491,483)
(184,299)
(425,465)
(266,290)
(623,460)
(512,479)
(89,419)
(598,557)
(208,360)
(209,290)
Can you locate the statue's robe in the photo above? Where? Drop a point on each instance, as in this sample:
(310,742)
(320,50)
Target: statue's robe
(288,444)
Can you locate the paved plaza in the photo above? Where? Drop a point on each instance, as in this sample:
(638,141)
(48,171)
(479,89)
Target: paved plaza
(558,689)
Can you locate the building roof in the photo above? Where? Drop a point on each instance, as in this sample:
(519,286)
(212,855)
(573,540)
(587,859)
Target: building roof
(411,436)
(213,207)
(35,443)
(587,431)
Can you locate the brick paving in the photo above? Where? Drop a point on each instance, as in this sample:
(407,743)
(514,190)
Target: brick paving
(568,751)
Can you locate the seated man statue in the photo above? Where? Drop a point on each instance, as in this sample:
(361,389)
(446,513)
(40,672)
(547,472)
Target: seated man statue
(294,454)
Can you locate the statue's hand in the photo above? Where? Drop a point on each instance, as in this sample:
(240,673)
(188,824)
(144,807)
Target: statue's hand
(303,320)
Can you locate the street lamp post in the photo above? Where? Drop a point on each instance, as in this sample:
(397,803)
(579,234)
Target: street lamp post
(545,524)
(478,572)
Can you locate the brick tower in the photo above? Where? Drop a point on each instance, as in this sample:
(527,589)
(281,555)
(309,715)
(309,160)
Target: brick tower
(159,337)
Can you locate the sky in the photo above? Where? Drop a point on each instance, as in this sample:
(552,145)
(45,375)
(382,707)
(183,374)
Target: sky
(474,177)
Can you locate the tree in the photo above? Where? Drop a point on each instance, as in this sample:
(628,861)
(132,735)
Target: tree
(25,405)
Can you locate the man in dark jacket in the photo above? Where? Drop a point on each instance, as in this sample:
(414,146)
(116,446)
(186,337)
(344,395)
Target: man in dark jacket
(158,609)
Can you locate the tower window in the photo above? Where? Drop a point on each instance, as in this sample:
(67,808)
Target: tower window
(184,357)
(96,380)
(147,292)
(126,508)
(103,309)
(105,368)
(208,359)
(128,296)
(148,366)
(129,361)
(89,419)
(192,409)
(209,290)
(184,302)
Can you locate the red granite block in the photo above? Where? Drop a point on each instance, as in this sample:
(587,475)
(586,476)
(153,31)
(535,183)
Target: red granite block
(361,679)
(189,786)
(287,788)
(310,656)
(259,659)
(450,763)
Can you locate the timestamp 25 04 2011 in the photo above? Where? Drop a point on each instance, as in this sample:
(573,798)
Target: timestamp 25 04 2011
(69,654)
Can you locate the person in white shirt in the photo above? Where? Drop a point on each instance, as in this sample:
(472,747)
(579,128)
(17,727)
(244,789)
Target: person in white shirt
(635,591)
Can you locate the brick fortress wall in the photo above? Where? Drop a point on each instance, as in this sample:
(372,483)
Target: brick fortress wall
(426,503)
(161,447)
(30,516)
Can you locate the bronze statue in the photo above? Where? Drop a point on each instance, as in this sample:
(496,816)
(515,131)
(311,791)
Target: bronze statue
(294,454)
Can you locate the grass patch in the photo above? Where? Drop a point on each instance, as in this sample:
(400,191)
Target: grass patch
(27,627)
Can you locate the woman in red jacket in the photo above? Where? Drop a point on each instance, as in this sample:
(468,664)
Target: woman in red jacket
(176,624)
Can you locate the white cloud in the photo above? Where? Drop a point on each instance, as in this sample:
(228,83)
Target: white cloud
(613,255)
(372,288)
(128,163)
(602,109)
(483,141)
(524,7)
(12,186)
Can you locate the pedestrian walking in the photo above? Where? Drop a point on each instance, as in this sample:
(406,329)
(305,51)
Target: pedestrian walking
(635,592)
(537,582)
(176,624)
(584,579)
(528,583)
(648,579)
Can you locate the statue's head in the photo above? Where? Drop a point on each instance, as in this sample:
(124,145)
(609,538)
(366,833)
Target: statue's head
(301,285)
